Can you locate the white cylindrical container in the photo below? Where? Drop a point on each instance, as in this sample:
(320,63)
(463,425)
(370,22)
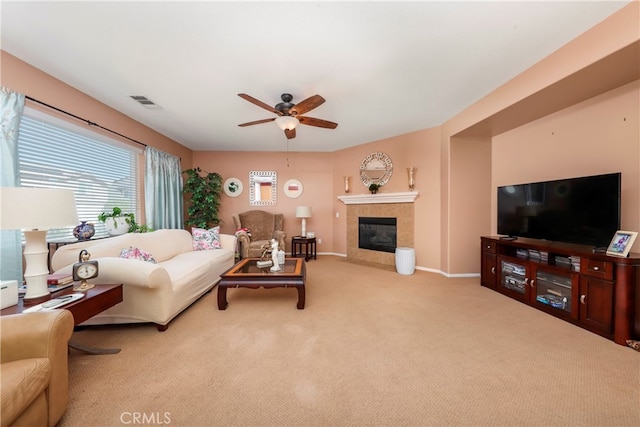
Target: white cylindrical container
(281,257)
(405,261)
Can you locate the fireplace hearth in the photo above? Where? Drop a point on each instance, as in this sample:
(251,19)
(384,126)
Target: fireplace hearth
(377,234)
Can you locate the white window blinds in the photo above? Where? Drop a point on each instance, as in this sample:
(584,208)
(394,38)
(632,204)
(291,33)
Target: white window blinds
(102,173)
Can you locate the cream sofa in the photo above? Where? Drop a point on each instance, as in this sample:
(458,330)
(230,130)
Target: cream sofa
(152,292)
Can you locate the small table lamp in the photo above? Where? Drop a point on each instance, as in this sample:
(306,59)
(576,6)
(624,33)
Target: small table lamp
(303,212)
(35,210)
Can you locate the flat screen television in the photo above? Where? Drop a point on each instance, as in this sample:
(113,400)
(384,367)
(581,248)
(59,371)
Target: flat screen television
(584,210)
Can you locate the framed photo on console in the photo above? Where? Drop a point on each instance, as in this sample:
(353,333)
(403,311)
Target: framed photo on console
(621,243)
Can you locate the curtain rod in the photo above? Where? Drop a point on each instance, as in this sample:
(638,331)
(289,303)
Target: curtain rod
(90,123)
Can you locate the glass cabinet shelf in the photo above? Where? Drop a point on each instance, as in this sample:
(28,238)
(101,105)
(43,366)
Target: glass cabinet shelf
(553,290)
(513,276)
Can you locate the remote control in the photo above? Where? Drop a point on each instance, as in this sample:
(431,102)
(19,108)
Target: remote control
(56,301)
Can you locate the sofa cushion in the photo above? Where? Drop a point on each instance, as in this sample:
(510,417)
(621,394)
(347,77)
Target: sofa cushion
(22,382)
(136,253)
(206,239)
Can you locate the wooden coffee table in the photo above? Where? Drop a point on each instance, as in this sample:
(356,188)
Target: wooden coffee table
(246,274)
(95,301)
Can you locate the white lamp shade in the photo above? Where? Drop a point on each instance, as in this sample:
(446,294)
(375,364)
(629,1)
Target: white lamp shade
(287,122)
(35,210)
(24,208)
(303,212)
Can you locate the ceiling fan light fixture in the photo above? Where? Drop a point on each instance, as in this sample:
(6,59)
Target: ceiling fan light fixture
(287,122)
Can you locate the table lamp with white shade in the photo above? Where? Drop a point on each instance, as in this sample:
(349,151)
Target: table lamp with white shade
(36,210)
(303,212)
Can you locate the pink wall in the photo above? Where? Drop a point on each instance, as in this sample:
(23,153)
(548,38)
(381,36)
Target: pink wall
(22,77)
(313,170)
(600,61)
(582,93)
(322,174)
(601,135)
(418,149)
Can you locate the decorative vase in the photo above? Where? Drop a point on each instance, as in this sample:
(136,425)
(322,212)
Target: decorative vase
(84,231)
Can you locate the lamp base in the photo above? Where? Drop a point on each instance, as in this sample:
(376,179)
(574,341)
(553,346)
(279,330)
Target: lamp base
(36,271)
(37,297)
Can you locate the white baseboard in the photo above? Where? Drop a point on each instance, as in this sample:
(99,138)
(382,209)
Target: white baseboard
(429,270)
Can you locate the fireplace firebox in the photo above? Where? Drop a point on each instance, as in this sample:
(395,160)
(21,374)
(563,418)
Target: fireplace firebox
(378,234)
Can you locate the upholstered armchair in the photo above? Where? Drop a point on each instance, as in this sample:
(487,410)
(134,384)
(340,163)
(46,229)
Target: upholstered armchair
(34,372)
(263,226)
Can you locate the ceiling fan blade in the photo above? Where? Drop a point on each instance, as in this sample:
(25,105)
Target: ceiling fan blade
(290,133)
(306,105)
(310,121)
(261,104)
(257,122)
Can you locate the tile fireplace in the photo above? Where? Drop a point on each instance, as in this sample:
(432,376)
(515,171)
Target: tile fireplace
(398,206)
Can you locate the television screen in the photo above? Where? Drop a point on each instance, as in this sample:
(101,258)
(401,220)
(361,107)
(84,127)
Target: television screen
(583,210)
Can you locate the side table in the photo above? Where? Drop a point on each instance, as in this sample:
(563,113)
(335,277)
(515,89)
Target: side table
(309,247)
(95,301)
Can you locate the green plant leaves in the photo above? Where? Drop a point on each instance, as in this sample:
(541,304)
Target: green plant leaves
(203,204)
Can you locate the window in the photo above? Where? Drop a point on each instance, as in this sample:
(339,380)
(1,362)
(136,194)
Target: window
(102,172)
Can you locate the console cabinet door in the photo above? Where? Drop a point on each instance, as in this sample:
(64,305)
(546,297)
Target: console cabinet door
(513,278)
(489,275)
(488,264)
(596,304)
(555,291)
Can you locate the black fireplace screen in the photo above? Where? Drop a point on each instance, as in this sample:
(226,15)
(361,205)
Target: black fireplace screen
(377,234)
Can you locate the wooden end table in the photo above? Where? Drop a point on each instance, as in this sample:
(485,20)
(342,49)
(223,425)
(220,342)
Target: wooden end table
(95,301)
(246,274)
(309,247)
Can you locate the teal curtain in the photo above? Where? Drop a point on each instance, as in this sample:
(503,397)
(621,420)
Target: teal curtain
(11,108)
(163,201)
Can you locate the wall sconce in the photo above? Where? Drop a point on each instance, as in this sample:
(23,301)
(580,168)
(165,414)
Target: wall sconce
(346,184)
(410,172)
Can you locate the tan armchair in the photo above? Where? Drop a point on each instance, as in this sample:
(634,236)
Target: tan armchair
(263,227)
(34,372)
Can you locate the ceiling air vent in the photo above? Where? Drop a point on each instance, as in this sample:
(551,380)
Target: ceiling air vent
(145,102)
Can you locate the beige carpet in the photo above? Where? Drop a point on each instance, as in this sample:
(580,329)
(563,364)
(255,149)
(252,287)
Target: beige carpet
(371,348)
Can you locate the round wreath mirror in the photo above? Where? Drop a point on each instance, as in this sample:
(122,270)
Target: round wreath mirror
(376,168)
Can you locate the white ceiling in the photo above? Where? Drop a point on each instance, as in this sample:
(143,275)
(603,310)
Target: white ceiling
(384,68)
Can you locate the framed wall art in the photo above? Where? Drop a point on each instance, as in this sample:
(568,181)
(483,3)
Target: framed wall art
(263,188)
(293,188)
(621,243)
(233,187)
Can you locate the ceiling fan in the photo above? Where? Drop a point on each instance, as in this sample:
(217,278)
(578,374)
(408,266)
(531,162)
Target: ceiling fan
(290,115)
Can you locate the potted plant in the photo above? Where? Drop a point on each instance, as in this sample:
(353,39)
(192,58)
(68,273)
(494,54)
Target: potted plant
(204,202)
(117,222)
(134,227)
(373,187)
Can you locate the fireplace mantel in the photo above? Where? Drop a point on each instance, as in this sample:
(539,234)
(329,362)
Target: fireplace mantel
(367,199)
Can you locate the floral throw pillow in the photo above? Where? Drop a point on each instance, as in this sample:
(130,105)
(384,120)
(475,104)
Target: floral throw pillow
(136,253)
(206,239)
